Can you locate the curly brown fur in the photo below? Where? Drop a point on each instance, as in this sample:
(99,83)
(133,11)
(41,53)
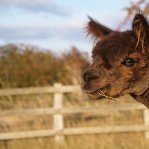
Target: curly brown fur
(120,62)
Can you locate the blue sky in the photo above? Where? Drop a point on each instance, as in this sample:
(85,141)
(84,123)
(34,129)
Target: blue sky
(56,24)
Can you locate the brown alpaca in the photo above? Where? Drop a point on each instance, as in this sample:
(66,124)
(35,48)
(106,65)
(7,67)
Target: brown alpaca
(120,62)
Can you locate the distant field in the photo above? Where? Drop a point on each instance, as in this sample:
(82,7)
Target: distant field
(105,118)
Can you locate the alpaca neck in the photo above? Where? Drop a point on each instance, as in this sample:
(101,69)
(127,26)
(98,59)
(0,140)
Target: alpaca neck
(144,98)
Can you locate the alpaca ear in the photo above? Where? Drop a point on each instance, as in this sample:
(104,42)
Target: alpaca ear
(97,30)
(140,28)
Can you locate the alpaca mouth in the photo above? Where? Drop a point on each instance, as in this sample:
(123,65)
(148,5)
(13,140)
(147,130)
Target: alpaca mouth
(88,90)
(98,93)
(91,91)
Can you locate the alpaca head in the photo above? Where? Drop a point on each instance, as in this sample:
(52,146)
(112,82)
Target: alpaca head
(120,60)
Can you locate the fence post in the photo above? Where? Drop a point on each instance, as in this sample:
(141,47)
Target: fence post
(146,121)
(58,118)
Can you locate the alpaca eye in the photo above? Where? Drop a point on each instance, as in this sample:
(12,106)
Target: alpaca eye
(130,61)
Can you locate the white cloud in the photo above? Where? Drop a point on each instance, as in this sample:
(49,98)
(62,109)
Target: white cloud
(37,6)
(9,33)
(50,31)
(42,32)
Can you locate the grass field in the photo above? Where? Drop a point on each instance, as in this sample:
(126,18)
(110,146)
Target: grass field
(105,118)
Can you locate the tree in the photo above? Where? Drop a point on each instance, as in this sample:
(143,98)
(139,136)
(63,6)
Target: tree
(32,67)
(135,7)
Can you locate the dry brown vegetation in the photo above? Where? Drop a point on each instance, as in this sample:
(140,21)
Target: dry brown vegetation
(32,67)
(101,141)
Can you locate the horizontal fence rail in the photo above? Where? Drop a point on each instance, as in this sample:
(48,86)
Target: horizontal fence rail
(73,131)
(57,111)
(40,90)
(52,111)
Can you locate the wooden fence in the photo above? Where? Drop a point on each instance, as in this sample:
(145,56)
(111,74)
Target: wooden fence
(58,111)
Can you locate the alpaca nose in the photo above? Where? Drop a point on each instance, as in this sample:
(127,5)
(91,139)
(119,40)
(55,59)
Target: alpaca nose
(89,75)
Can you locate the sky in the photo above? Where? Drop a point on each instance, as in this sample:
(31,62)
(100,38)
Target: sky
(56,24)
